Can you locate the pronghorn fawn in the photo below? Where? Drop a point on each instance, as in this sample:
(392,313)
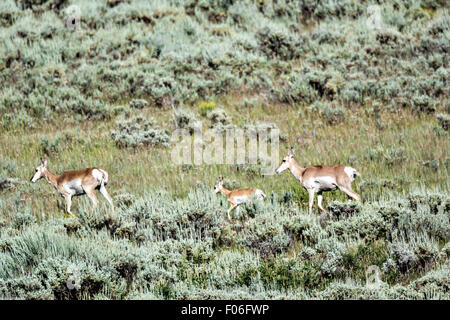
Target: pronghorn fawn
(75,183)
(317,179)
(238,196)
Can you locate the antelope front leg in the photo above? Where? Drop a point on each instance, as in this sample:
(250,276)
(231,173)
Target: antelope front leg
(91,195)
(232,206)
(68,198)
(311,200)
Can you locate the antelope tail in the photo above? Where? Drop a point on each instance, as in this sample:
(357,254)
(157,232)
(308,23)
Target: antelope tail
(104,180)
(262,194)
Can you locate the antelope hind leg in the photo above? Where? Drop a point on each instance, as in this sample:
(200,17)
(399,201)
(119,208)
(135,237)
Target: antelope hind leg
(91,195)
(105,193)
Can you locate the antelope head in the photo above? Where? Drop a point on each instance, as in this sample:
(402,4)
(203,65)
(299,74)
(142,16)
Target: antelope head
(218,185)
(40,171)
(285,163)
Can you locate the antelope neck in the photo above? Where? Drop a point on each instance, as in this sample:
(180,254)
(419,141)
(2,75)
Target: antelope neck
(296,170)
(224,191)
(51,178)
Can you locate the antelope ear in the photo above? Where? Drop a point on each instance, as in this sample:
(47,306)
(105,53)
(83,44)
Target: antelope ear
(291,152)
(44,163)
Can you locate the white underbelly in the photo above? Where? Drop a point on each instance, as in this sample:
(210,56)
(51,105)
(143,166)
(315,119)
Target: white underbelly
(241,199)
(74,187)
(321,184)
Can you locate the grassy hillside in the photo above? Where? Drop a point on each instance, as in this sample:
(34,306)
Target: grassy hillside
(340,88)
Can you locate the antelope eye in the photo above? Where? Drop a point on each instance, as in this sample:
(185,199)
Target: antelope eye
(284,160)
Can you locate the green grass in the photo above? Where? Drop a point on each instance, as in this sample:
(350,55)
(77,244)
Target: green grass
(340,93)
(357,139)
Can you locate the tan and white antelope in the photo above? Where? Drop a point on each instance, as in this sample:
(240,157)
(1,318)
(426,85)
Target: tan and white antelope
(317,179)
(75,183)
(238,196)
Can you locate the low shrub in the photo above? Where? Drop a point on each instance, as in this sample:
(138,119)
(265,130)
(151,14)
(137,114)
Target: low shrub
(444,121)
(138,103)
(280,44)
(8,183)
(218,117)
(340,210)
(333,116)
(186,120)
(140,132)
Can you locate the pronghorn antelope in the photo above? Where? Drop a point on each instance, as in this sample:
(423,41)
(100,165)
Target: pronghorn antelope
(237,196)
(75,183)
(317,179)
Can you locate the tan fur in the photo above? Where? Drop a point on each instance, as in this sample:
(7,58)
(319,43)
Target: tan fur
(320,178)
(67,183)
(237,196)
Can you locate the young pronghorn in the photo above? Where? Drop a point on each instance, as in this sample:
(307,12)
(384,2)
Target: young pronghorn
(75,183)
(317,179)
(237,196)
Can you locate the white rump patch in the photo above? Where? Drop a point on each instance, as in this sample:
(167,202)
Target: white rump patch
(260,194)
(97,174)
(350,173)
(105,175)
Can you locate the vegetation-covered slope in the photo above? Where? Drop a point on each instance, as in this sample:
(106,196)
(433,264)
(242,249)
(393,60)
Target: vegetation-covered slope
(157,247)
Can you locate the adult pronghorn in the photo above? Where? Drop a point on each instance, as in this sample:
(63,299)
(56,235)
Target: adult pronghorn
(238,196)
(75,183)
(317,179)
